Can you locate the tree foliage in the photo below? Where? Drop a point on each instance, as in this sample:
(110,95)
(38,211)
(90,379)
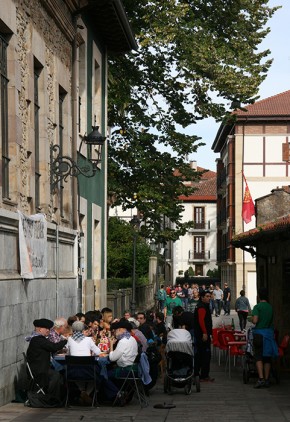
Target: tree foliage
(120,250)
(195,58)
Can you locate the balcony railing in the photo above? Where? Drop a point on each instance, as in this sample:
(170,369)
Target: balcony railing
(203,226)
(198,256)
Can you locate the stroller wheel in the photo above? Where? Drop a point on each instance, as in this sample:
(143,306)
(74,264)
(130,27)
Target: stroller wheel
(187,389)
(197,384)
(245,376)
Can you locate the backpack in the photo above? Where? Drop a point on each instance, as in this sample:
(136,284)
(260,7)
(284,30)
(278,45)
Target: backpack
(41,400)
(161,295)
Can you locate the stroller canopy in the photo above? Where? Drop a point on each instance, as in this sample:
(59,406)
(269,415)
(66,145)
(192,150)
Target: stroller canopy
(179,340)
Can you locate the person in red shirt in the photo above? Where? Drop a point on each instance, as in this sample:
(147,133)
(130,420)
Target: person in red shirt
(202,337)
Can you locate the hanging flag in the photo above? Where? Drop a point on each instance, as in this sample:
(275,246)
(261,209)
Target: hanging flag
(248,209)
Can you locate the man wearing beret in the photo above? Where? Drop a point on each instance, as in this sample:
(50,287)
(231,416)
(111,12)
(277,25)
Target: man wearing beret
(38,356)
(122,356)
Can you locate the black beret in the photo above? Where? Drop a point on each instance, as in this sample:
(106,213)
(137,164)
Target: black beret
(123,323)
(43,323)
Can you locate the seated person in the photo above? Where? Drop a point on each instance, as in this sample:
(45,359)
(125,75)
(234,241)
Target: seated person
(127,314)
(57,332)
(126,351)
(137,334)
(122,356)
(80,345)
(144,326)
(93,322)
(160,329)
(81,317)
(38,356)
(107,315)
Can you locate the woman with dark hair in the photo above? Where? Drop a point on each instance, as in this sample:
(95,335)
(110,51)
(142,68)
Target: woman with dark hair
(242,307)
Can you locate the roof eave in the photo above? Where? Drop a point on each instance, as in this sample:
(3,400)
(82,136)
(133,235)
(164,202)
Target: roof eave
(118,37)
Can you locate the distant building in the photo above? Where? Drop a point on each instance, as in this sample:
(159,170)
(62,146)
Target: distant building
(197,248)
(269,242)
(257,144)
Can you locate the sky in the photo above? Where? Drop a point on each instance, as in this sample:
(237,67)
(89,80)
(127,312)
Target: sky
(277,80)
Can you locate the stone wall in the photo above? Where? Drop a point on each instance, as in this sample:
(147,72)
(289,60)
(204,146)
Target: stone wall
(273,206)
(22,301)
(120,300)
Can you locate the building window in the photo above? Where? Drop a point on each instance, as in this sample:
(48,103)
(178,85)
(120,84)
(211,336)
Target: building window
(199,217)
(199,252)
(4,116)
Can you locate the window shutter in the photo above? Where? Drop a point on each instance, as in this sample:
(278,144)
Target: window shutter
(285,152)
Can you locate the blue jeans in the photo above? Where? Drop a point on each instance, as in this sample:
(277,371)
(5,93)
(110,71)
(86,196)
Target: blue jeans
(217,306)
(227,307)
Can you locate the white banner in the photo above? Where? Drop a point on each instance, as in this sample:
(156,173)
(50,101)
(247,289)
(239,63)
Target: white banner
(32,245)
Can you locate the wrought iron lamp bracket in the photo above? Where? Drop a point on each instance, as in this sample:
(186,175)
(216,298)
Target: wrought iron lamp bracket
(63,166)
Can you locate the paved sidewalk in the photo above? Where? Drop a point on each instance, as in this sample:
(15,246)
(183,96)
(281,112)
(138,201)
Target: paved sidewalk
(225,399)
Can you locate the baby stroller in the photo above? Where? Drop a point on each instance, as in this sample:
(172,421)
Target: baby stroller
(179,362)
(249,363)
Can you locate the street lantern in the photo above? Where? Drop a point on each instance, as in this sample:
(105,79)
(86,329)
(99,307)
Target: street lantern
(63,166)
(135,224)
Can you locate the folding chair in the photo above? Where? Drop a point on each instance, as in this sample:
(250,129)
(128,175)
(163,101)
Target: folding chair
(33,385)
(132,384)
(80,369)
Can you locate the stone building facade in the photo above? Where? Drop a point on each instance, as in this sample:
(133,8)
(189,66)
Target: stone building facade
(53,88)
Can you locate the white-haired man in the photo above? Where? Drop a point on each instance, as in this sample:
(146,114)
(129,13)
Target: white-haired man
(57,331)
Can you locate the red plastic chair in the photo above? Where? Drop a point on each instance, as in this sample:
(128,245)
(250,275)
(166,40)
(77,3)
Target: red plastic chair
(233,347)
(214,340)
(222,345)
(282,347)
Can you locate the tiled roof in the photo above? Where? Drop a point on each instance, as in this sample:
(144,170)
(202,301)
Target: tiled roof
(206,187)
(277,105)
(250,237)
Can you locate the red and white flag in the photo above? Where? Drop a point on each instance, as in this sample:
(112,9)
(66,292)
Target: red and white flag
(248,209)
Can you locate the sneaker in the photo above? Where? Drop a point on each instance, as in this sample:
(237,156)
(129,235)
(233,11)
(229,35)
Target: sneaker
(260,383)
(208,379)
(267,384)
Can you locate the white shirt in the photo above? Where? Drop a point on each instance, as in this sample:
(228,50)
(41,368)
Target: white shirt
(125,352)
(86,347)
(218,294)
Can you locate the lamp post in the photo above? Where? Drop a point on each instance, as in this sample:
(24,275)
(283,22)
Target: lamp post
(155,249)
(135,223)
(63,166)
